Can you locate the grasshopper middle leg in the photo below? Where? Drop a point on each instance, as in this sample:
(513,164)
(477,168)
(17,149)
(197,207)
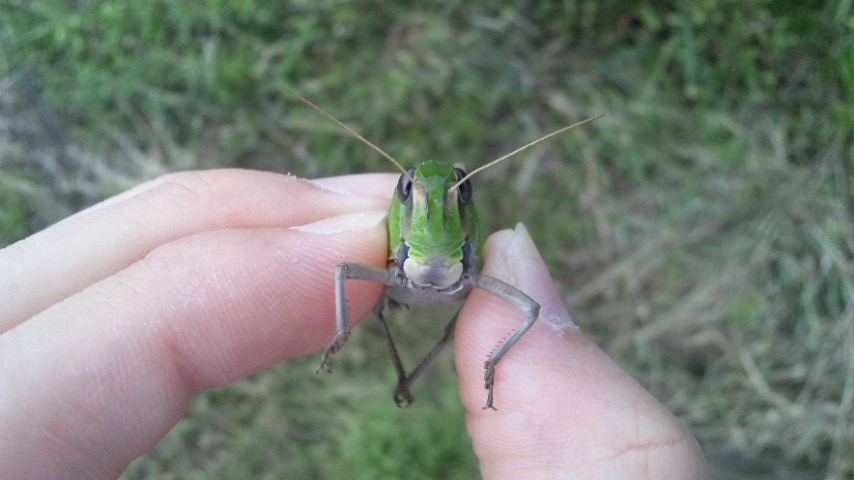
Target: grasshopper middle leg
(404,381)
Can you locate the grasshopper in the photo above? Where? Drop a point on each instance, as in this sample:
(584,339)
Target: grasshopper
(435,243)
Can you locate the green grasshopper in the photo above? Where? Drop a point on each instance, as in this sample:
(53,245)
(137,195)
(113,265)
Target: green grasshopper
(435,243)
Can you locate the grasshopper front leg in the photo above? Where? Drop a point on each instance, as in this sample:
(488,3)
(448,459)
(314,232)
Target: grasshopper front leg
(526,305)
(343,272)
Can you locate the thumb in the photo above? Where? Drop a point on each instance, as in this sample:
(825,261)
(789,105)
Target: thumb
(564,407)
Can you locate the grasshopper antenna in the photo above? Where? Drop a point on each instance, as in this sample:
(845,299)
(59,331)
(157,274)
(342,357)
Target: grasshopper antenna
(348,129)
(524,147)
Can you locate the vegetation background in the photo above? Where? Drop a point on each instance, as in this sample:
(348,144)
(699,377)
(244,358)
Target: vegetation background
(701,231)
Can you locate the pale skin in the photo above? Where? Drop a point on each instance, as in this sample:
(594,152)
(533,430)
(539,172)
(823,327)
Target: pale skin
(111,320)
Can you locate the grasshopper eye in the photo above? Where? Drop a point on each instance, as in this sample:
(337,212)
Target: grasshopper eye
(464,188)
(404,185)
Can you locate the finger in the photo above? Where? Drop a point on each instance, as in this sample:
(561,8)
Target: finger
(564,407)
(65,258)
(95,381)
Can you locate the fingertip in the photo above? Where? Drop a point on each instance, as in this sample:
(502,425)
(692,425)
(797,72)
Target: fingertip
(512,256)
(280,301)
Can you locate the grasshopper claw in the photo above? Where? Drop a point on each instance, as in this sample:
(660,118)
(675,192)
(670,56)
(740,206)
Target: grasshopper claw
(402,395)
(341,337)
(489,383)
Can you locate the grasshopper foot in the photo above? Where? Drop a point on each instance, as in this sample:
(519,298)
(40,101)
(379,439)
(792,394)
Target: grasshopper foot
(489,383)
(338,341)
(402,397)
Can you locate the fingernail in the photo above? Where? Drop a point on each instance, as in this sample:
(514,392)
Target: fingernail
(364,185)
(332,185)
(344,223)
(522,261)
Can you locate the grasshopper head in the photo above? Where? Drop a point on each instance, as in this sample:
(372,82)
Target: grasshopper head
(434,231)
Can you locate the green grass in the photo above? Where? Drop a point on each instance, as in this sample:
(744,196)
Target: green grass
(701,231)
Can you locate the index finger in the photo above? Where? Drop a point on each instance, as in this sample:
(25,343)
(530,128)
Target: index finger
(95,243)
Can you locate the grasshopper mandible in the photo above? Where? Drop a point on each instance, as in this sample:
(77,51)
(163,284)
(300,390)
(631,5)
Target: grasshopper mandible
(435,242)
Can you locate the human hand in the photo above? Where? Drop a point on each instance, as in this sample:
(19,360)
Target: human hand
(113,318)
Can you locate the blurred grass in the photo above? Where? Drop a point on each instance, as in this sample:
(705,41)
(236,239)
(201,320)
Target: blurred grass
(701,231)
